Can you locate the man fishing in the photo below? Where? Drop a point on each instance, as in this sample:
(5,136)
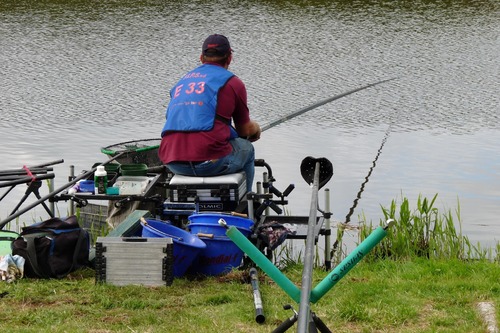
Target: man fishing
(198,138)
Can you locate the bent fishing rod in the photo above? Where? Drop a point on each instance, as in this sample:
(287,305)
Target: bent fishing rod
(318,104)
(323,102)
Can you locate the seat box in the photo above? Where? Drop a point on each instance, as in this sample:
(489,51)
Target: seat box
(217,193)
(134,260)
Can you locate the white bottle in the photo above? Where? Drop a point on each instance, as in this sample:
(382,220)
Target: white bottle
(100,180)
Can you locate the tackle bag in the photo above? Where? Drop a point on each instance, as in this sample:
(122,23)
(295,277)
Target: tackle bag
(53,248)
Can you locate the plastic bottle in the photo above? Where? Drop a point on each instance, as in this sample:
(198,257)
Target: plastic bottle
(100,180)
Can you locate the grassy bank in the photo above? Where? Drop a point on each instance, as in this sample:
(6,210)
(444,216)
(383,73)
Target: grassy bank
(425,276)
(419,295)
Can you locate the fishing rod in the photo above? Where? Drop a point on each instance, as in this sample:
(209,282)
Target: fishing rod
(323,102)
(318,104)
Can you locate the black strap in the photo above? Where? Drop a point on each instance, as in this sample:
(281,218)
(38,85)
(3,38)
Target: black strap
(81,238)
(31,252)
(224,120)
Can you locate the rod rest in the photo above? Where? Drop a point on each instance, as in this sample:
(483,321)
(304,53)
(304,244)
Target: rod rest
(268,203)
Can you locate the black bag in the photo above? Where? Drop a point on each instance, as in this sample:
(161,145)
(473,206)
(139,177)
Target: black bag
(53,248)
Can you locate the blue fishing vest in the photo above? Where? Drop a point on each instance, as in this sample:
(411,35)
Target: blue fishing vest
(193,100)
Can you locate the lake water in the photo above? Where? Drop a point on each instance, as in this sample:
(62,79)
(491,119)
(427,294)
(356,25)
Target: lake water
(80,75)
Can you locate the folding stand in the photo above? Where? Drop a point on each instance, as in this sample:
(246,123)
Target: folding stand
(33,187)
(324,286)
(308,322)
(30,176)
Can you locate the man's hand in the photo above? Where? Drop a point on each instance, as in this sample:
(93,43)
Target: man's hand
(250,130)
(256,135)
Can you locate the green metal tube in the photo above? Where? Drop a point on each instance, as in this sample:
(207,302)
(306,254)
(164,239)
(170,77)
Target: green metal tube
(349,262)
(265,264)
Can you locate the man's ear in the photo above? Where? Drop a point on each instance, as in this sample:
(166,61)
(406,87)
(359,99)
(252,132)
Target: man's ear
(229,59)
(201,58)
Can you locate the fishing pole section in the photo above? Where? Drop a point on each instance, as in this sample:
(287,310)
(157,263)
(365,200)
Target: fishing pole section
(360,192)
(32,176)
(257,299)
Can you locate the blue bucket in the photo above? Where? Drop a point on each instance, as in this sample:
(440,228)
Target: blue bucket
(186,246)
(208,223)
(219,257)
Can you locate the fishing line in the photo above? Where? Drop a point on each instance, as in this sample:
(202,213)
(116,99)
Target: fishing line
(374,163)
(367,178)
(361,189)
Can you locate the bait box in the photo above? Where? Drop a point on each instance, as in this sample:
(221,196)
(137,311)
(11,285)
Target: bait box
(129,185)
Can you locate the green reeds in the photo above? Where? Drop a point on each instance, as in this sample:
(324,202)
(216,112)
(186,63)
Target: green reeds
(424,232)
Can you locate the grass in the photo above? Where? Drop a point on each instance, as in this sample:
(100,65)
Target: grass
(418,295)
(423,277)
